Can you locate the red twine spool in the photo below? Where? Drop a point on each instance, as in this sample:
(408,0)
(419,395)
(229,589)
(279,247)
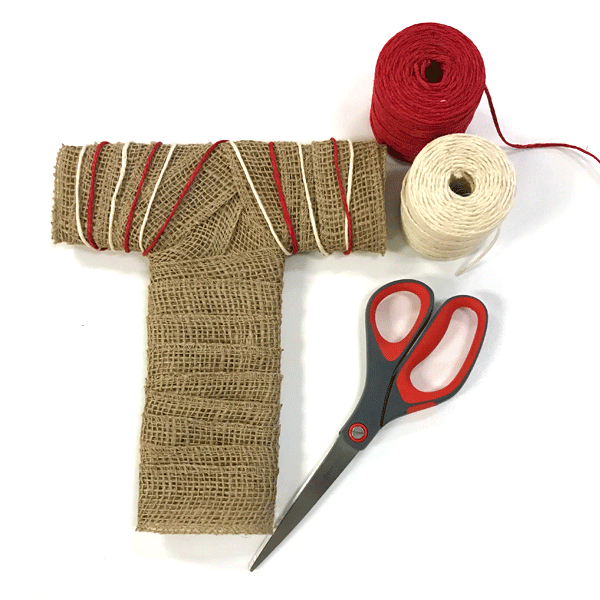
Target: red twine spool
(429,80)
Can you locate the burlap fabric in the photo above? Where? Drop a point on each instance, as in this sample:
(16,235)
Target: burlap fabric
(209,441)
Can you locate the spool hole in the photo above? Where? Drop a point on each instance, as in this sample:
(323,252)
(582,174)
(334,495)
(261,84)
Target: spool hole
(434,72)
(461,185)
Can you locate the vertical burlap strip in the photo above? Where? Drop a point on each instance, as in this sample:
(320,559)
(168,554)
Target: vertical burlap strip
(209,443)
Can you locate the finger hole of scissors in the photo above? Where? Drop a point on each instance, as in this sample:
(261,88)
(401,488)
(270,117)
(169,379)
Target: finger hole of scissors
(443,364)
(396,315)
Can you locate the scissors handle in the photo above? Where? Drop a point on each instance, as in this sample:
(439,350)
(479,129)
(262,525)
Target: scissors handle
(384,354)
(390,391)
(405,396)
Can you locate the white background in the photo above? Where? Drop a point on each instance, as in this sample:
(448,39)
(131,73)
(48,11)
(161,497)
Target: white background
(492,495)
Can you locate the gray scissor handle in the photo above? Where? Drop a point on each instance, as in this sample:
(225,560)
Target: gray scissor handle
(383,360)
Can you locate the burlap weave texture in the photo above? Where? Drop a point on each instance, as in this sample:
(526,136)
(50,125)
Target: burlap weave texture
(209,441)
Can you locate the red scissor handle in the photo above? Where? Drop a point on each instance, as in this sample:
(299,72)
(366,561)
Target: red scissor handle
(394,350)
(428,342)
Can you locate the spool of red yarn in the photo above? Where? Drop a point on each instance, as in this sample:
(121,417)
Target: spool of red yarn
(429,81)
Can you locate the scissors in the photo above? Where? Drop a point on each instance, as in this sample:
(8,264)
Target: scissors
(393,358)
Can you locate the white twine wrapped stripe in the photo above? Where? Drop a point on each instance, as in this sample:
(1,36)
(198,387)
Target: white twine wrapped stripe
(77,199)
(113,201)
(311,213)
(457,192)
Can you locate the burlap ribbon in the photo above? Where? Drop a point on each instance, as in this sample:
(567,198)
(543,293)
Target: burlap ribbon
(209,442)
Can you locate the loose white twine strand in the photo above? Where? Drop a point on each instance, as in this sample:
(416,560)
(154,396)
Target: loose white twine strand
(77,203)
(457,192)
(158,182)
(113,201)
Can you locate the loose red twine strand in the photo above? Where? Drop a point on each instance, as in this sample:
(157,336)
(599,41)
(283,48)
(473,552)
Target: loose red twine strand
(90,210)
(343,194)
(420,90)
(282,202)
(536,145)
(137,195)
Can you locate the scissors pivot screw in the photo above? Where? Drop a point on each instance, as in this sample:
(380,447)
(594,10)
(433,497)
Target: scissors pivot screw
(358,432)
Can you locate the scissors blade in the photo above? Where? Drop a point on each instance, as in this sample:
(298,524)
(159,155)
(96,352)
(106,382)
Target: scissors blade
(337,459)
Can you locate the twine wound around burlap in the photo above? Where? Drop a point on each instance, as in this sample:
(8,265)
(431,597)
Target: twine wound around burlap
(210,427)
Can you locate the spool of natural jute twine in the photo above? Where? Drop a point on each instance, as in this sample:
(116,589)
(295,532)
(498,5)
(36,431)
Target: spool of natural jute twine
(457,192)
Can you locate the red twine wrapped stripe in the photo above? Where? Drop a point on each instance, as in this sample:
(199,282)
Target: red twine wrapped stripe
(137,194)
(429,80)
(343,194)
(282,202)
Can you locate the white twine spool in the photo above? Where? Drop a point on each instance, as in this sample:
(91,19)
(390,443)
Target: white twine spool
(458,190)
